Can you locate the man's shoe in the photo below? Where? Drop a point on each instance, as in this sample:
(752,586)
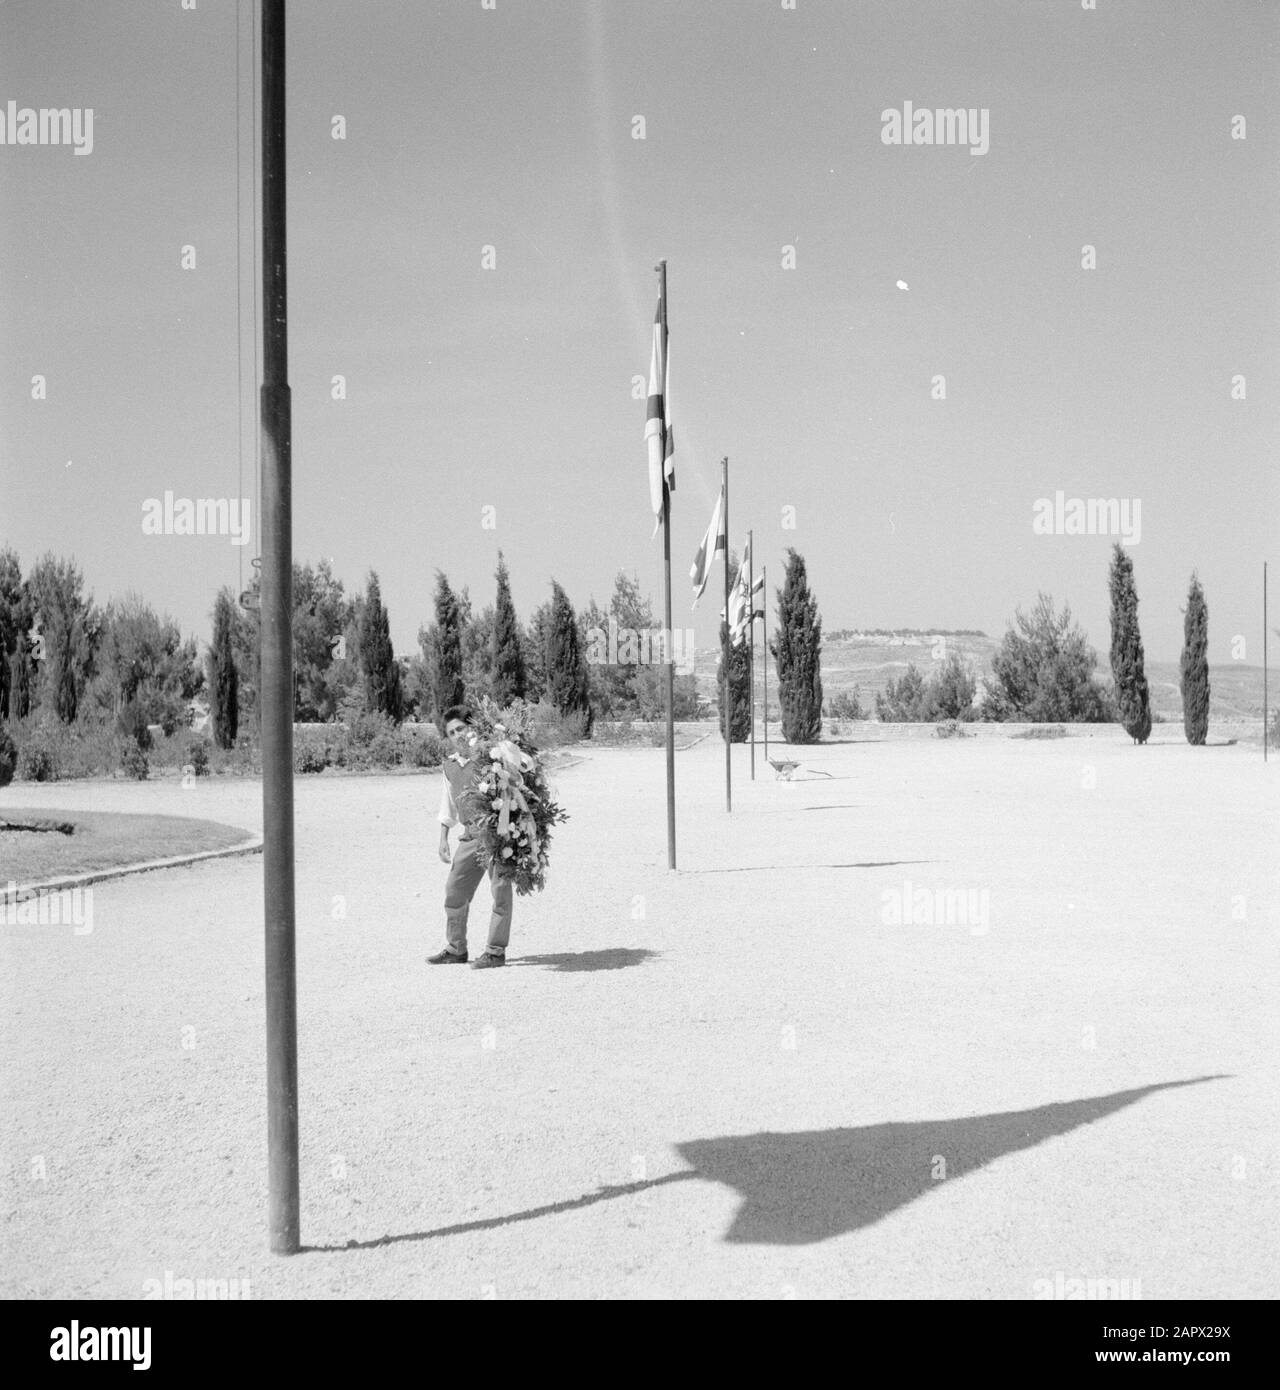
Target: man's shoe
(488,961)
(447,957)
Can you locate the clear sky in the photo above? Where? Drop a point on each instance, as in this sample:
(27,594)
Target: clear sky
(511,387)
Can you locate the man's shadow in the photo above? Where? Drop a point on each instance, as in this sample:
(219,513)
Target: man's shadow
(791,868)
(615,958)
(802,1187)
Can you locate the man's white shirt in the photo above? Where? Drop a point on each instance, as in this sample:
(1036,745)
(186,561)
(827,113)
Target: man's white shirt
(449,816)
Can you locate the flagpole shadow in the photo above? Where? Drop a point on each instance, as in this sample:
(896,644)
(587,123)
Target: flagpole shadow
(799,1188)
(806,1186)
(491,1223)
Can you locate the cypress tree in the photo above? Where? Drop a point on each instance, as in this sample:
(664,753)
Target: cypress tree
(1133,699)
(509,682)
(739,688)
(1195,666)
(797,651)
(13,605)
(20,681)
(566,661)
(382,690)
(449,687)
(534,642)
(224,680)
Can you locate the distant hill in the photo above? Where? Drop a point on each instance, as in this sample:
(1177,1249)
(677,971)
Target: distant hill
(871,658)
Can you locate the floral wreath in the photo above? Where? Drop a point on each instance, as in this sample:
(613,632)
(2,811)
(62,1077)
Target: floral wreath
(508,805)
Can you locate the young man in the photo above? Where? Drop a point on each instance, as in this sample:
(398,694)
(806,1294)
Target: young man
(465,871)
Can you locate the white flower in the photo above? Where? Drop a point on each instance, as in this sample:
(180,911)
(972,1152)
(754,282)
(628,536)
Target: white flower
(506,853)
(496,803)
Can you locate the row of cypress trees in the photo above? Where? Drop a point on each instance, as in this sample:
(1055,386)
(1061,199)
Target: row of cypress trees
(553,645)
(547,660)
(1133,699)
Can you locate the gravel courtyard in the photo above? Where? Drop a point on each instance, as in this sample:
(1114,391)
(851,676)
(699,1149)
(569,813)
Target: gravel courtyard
(749,1078)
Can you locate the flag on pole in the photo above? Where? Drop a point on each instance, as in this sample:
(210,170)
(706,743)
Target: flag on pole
(658,433)
(741,615)
(713,541)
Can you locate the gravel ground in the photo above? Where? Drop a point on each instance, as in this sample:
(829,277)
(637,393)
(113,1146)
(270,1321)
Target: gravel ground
(743,1079)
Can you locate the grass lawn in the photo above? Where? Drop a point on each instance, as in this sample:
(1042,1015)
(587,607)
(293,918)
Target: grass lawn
(101,840)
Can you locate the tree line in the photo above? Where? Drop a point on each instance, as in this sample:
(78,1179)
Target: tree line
(63,657)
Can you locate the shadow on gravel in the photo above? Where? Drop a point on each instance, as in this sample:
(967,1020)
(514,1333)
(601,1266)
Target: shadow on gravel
(803,1187)
(616,958)
(489,1223)
(809,1186)
(791,868)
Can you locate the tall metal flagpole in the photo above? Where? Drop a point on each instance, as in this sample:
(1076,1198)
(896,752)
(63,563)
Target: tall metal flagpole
(751,622)
(724,655)
(764,638)
(661,268)
(277,659)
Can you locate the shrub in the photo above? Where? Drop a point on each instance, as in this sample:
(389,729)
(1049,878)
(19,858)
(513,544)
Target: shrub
(38,757)
(549,728)
(133,763)
(367,727)
(1044,672)
(8,756)
(1043,731)
(172,714)
(132,724)
(846,705)
(620,733)
(423,745)
(309,754)
(902,701)
(245,755)
(950,728)
(198,757)
(951,690)
(386,750)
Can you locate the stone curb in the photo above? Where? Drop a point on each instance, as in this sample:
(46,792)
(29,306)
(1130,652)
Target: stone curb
(55,885)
